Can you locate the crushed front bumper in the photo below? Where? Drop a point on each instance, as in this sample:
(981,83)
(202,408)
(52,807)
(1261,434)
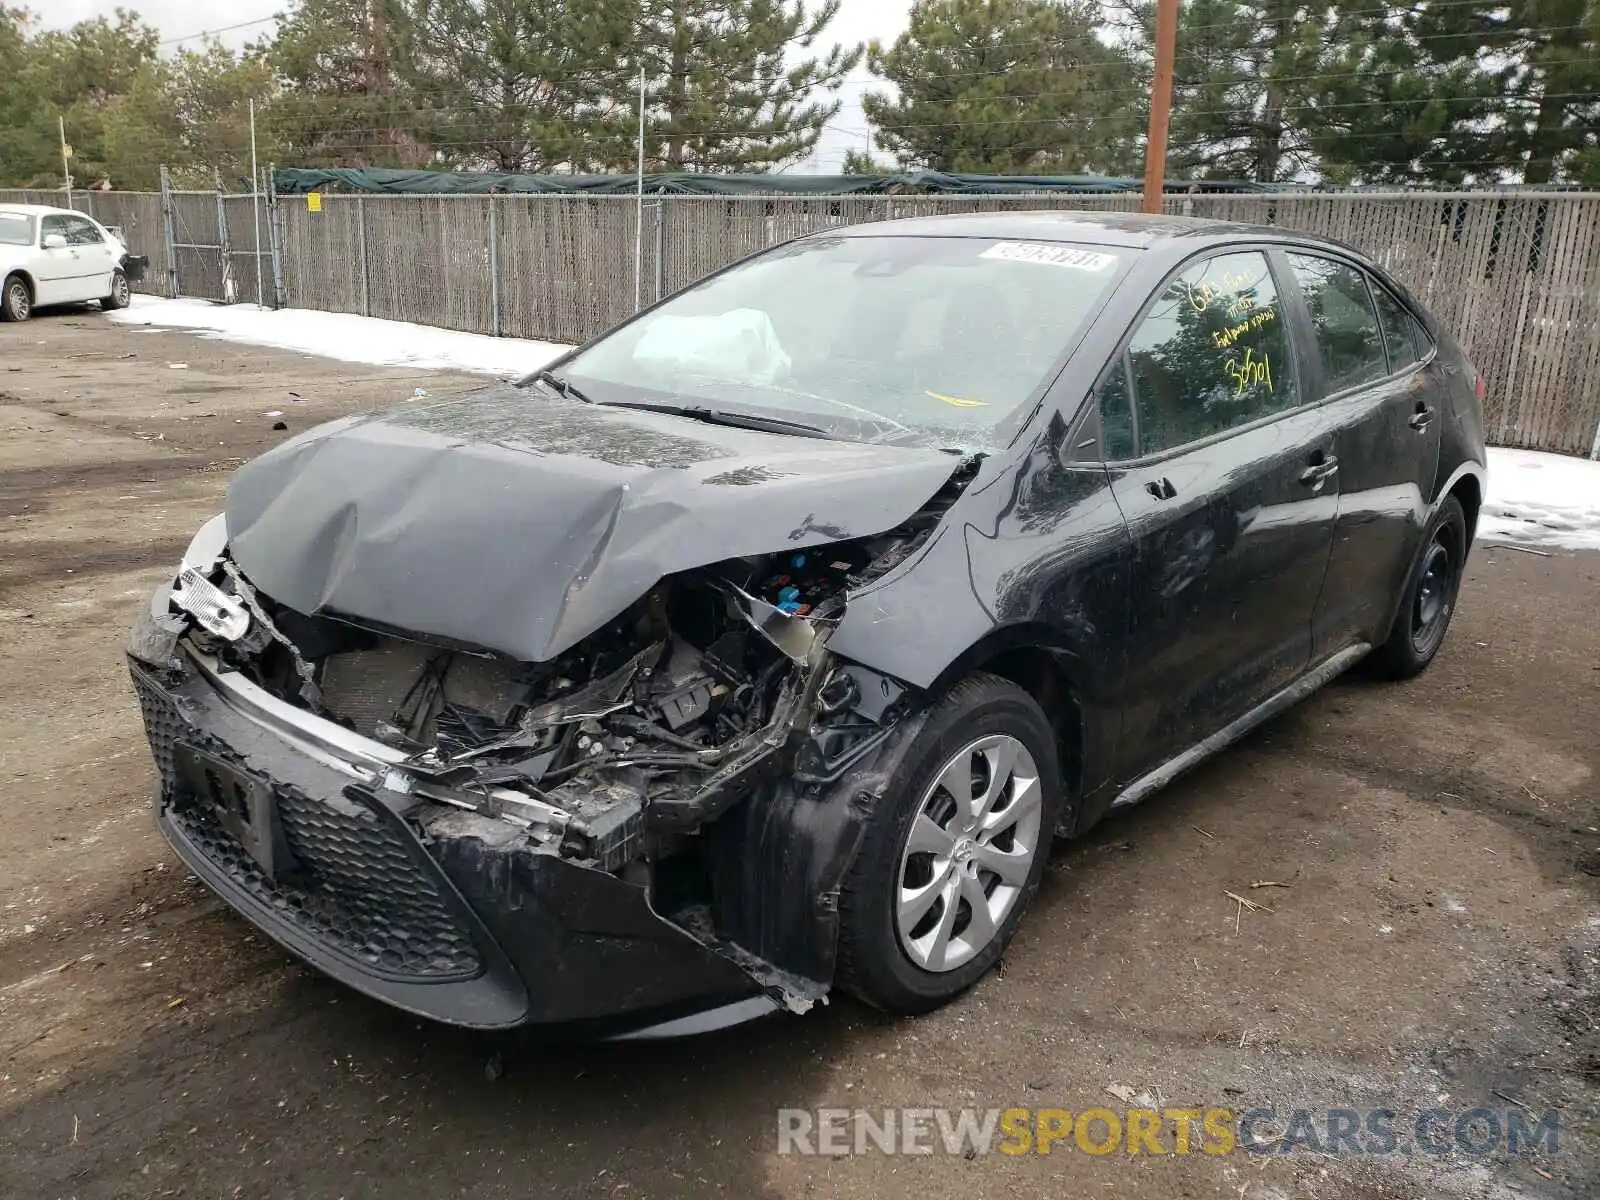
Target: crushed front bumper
(299,825)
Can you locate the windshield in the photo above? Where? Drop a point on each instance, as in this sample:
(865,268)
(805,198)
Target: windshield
(16,229)
(922,340)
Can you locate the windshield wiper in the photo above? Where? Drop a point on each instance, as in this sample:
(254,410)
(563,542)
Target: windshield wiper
(721,416)
(566,387)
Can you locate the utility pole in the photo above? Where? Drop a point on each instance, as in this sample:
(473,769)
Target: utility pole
(1155,146)
(66,155)
(638,232)
(255,204)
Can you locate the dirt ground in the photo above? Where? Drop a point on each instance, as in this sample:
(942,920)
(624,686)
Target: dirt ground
(1438,943)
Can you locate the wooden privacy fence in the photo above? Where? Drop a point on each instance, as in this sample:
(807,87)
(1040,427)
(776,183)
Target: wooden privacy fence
(1514,275)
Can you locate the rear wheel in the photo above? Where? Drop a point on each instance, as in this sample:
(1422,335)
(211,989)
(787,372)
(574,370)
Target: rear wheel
(1429,600)
(16,299)
(120,295)
(954,851)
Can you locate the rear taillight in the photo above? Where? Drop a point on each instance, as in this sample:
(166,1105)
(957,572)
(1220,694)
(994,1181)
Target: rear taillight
(1480,389)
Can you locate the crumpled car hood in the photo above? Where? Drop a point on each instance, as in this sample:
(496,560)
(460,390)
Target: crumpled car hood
(521,523)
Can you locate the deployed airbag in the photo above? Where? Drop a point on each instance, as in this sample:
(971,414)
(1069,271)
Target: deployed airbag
(740,345)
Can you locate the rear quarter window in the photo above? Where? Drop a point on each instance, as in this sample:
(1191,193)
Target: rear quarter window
(16,229)
(1403,338)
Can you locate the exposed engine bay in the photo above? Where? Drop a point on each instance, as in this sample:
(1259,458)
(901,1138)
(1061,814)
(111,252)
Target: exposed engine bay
(643,731)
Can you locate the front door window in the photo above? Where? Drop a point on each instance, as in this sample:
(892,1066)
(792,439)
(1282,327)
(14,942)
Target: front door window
(1212,354)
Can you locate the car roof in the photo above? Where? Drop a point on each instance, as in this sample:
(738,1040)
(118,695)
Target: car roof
(41,210)
(1115,229)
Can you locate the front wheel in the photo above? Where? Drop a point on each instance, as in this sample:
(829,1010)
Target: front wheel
(954,850)
(16,301)
(121,293)
(1429,599)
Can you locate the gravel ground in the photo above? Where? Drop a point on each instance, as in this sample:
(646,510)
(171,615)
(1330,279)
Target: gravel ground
(1438,943)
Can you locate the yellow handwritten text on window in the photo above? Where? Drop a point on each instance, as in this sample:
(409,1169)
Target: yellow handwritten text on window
(1223,338)
(1251,369)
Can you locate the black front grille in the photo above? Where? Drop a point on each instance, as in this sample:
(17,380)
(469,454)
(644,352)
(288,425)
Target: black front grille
(162,724)
(354,886)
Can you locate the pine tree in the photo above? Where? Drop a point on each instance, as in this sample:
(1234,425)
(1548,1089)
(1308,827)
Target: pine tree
(85,74)
(1394,116)
(860,162)
(1006,86)
(730,84)
(1246,82)
(143,132)
(1349,91)
(518,85)
(343,102)
(29,153)
(1540,60)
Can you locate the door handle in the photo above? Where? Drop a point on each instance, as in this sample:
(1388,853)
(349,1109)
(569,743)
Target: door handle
(1161,489)
(1422,418)
(1322,468)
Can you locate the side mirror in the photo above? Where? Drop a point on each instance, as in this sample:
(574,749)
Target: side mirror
(54,241)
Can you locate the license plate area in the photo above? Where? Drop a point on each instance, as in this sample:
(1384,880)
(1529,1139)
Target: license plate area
(242,803)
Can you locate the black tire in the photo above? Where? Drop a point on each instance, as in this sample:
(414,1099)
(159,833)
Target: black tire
(121,293)
(16,299)
(874,965)
(1429,599)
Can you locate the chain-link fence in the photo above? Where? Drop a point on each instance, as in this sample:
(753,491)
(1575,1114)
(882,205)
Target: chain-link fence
(1515,276)
(201,244)
(135,215)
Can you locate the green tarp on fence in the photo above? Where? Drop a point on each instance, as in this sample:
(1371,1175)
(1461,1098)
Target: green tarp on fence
(298,180)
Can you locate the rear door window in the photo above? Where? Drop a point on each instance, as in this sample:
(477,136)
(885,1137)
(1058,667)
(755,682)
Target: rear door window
(1343,319)
(53,224)
(1210,355)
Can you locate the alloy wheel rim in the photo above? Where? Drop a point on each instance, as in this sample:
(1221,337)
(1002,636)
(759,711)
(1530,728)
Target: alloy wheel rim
(969,852)
(19,300)
(121,288)
(1434,591)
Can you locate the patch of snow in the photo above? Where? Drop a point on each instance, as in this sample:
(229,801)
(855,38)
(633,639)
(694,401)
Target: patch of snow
(343,336)
(1541,500)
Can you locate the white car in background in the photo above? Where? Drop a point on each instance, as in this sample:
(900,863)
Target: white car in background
(58,256)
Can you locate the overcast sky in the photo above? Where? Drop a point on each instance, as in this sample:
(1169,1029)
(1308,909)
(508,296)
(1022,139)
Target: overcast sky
(858,20)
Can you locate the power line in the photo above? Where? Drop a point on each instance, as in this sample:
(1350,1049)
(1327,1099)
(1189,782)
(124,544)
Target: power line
(206,33)
(505,126)
(1432,6)
(821,94)
(410,109)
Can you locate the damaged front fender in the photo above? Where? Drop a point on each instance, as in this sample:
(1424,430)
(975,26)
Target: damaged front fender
(780,858)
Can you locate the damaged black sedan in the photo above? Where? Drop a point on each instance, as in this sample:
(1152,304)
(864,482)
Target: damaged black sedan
(761,646)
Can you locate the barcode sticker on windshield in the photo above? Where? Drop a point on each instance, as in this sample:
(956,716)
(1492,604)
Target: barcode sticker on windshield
(1051,255)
